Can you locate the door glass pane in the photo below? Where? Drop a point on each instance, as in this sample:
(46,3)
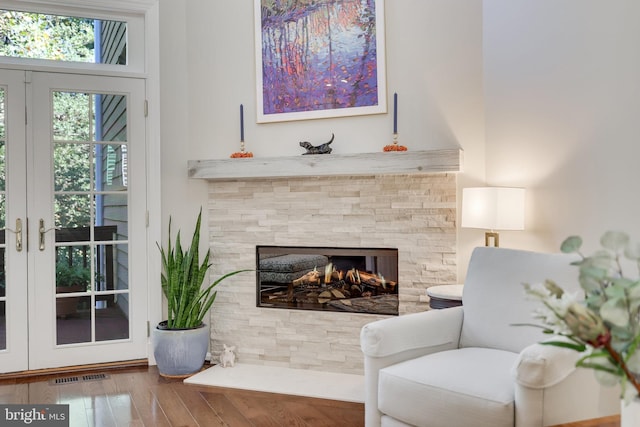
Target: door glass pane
(107,277)
(91,212)
(72,211)
(112,176)
(111,267)
(112,317)
(72,116)
(73,269)
(111,117)
(114,217)
(73,320)
(63,38)
(72,166)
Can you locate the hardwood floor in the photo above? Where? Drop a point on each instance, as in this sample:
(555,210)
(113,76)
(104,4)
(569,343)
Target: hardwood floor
(611,421)
(141,397)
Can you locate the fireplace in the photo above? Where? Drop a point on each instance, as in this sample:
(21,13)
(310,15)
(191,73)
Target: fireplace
(414,213)
(353,280)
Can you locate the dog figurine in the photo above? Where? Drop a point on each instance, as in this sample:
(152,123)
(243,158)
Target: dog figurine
(320,149)
(228,357)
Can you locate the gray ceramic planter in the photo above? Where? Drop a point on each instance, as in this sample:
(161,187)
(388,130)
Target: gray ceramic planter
(180,353)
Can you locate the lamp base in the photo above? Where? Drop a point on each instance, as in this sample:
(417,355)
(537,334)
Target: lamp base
(490,236)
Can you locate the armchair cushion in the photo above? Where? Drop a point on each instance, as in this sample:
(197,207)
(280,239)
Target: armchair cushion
(465,387)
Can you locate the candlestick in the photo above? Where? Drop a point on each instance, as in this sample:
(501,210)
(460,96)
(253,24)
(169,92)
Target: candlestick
(395,113)
(241,123)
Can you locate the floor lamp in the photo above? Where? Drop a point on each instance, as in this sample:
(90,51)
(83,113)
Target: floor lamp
(493,209)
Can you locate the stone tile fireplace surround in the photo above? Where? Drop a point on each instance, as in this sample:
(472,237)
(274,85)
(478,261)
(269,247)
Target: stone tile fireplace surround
(413,212)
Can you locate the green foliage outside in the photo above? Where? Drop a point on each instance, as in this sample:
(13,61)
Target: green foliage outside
(33,35)
(72,275)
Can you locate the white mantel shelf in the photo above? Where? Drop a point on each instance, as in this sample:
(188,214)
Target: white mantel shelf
(389,163)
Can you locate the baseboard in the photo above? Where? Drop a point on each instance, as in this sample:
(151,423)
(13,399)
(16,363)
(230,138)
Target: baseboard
(37,375)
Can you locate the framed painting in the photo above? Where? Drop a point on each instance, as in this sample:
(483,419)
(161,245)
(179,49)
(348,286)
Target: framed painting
(319,59)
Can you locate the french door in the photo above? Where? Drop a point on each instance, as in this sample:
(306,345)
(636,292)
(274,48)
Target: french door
(72,204)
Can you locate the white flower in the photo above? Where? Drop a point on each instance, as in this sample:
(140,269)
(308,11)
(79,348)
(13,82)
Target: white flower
(537,291)
(559,305)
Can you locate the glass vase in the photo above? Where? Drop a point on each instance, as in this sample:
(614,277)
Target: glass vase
(630,413)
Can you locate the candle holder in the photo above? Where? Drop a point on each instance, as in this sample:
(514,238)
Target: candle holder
(241,153)
(395,146)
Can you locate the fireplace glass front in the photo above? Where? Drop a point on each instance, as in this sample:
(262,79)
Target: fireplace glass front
(354,280)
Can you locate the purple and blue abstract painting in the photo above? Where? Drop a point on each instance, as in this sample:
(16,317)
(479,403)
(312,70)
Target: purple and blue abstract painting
(318,55)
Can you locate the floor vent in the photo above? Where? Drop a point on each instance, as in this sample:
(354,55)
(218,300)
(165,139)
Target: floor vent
(67,380)
(94,377)
(88,377)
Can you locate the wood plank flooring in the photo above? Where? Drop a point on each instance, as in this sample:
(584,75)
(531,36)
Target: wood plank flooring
(141,397)
(611,421)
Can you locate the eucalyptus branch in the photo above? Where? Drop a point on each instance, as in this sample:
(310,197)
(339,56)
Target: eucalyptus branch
(621,363)
(617,259)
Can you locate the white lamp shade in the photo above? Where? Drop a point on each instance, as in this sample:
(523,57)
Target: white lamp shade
(493,208)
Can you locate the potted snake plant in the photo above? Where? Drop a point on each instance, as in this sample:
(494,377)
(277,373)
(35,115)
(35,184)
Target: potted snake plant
(180,343)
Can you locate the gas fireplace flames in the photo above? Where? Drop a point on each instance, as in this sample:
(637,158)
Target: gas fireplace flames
(339,288)
(358,280)
(355,281)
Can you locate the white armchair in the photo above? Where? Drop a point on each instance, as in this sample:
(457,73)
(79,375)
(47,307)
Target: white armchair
(469,366)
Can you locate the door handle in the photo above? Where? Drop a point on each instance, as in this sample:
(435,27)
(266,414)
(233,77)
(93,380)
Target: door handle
(41,232)
(18,233)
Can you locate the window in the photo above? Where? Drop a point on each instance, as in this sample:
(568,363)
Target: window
(62,38)
(86,39)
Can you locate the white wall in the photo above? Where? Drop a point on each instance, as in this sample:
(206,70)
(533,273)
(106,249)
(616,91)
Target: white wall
(434,63)
(562,107)
(555,83)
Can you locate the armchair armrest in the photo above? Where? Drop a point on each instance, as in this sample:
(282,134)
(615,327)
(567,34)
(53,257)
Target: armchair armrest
(426,330)
(550,389)
(541,366)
